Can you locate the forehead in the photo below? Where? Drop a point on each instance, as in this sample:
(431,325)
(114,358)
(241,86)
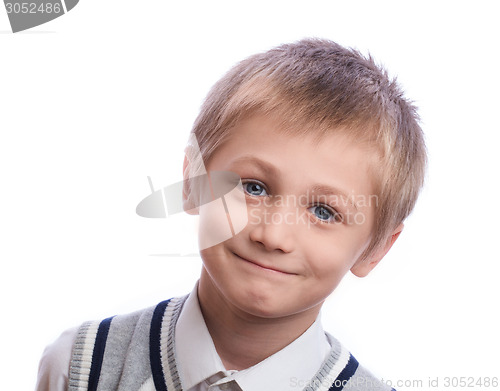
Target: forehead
(304,159)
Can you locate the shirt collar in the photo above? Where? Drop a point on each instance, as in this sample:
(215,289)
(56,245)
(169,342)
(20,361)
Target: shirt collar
(198,360)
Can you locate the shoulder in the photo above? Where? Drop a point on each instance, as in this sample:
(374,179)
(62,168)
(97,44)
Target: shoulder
(342,370)
(55,362)
(119,329)
(77,344)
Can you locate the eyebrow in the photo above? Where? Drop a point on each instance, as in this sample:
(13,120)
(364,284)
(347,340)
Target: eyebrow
(271,170)
(268,168)
(327,190)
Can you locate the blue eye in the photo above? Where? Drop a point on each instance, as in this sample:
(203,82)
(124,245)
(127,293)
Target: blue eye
(254,189)
(325,214)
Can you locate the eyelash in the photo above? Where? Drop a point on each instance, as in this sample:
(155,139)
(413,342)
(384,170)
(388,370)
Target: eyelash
(336,217)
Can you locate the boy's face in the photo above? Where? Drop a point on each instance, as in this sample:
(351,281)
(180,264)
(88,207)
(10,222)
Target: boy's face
(310,211)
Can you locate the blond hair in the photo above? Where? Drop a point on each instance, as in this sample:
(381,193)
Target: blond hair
(316,85)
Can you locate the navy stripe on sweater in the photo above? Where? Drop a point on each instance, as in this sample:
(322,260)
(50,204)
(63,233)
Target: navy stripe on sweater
(155,346)
(345,375)
(98,353)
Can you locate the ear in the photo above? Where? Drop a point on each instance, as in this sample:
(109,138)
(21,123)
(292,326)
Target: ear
(188,203)
(363,267)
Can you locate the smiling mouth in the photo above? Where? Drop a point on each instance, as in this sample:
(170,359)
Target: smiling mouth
(267,268)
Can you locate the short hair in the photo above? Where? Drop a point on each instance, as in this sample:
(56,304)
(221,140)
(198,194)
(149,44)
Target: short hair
(316,85)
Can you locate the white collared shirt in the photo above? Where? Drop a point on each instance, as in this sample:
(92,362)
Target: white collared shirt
(201,369)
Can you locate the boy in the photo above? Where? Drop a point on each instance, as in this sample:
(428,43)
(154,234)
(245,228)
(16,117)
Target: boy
(331,160)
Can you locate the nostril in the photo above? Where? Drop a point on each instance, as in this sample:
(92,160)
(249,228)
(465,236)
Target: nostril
(272,237)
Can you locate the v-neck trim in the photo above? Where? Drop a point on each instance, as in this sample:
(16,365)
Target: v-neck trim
(339,363)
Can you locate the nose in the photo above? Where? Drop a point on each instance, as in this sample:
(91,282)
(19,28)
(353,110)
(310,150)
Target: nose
(273,230)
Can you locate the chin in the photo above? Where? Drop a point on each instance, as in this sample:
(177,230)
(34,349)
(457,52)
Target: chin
(264,310)
(255,300)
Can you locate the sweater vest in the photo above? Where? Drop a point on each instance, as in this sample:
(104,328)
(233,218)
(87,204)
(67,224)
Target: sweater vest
(136,352)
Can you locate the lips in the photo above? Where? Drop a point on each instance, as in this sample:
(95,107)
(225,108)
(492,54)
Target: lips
(264,266)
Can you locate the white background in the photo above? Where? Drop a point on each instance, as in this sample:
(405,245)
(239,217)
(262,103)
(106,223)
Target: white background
(94,101)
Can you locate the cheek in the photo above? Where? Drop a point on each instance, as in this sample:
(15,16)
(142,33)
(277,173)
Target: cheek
(254,214)
(210,257)
(213,225)
(216,264)
(221,220)
(328,272)
(331,257)
(328,262)
(222,208)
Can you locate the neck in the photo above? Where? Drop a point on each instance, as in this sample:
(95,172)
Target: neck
(241,339)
